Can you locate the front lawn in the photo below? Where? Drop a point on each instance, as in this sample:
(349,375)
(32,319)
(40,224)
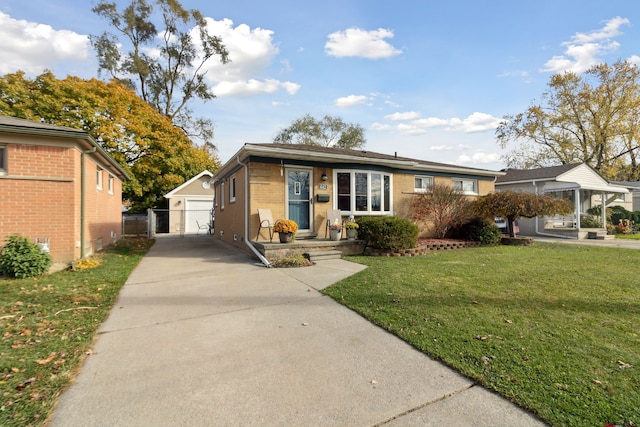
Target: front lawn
(48,324)
(551,327)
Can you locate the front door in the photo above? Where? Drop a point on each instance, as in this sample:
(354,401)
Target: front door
(299,198)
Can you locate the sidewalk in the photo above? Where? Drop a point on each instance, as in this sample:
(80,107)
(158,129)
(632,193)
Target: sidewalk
(203,335)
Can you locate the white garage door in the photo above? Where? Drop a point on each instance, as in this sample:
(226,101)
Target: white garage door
(197,212)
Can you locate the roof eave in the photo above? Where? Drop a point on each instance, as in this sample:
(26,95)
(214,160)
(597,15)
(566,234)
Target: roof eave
(266,151)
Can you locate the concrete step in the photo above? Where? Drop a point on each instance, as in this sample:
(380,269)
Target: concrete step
(600,235)
(605,237)
(323,255)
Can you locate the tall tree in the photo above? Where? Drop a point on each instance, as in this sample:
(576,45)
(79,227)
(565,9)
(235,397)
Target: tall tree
(145,143)
(328,132)
(164,62)
(592,118)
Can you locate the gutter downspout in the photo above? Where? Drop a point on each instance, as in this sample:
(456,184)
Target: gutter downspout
(82,198)
(246,216)
(559,236)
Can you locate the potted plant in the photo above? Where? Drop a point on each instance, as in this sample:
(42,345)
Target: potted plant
(352,229)
(286,228)
(335,230)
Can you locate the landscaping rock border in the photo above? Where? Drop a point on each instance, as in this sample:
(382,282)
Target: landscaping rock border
(424,248)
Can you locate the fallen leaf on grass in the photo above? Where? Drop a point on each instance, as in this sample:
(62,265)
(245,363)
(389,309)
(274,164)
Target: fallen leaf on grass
(46,360)
(26,383)
(623,365)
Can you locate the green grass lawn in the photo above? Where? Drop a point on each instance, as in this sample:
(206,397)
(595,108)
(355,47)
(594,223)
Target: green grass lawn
(48,324)
(551,327)
(634,236)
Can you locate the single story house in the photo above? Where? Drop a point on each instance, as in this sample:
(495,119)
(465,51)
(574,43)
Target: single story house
(58,186)
(302,182)
(578,183)
(191,205)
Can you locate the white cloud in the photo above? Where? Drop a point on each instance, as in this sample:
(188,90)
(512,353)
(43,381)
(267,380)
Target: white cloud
(408,115)
(634,59)
(361,43)
(584,49)
(243,88)
(251,52)
(380,127)
(442,148)
(431,122)
(476,122)
(406,129)
(32,47)
(351,100)
(479,158)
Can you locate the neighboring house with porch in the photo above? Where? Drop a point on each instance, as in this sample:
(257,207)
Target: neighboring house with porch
(302,182)
(191,206)
(579,184)
(58,184)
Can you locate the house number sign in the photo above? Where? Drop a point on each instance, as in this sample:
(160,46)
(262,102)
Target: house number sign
(322,187)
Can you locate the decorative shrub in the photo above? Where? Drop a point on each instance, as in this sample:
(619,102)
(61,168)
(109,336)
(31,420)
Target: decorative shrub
(388,232)
(478,230)
(285,226)
(590,221)
(21,258)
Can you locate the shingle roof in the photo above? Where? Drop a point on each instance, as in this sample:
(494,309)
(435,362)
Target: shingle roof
(516,175)
(364,154)
(16,122)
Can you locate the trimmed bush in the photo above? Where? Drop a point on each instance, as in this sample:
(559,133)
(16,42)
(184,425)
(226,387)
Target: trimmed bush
(21,258)
(388,232)
(478,230)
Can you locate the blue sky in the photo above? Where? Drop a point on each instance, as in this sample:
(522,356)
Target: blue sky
(426,79)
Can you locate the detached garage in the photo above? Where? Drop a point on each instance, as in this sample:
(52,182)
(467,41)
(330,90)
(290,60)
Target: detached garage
(191,206)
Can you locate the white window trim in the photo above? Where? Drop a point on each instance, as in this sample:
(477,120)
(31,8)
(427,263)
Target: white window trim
(463,180)
(110,183)
(222,198)
(423,190)
(5,160)
(232,189)
(99,178)
(352,192)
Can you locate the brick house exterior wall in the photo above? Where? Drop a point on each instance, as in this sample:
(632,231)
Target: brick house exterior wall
(265,167)
(42,188)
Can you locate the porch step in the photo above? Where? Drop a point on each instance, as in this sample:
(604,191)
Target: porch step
(600,235)
(323,255)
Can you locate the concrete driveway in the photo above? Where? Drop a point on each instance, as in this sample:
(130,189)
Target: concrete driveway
(203,335)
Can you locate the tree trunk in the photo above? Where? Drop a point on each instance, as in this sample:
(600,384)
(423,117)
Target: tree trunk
(512,229)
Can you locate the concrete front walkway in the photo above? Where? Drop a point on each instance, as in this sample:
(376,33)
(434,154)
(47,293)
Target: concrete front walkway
(202,335)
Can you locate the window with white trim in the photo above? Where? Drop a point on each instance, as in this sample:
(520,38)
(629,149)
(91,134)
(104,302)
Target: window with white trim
(422,184)
(363,192)
(222,198)
(467,186)
(3,159)
(110,184)
(99,178)
(232,189)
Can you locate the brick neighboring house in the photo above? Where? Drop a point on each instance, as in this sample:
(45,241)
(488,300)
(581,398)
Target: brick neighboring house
(58,183)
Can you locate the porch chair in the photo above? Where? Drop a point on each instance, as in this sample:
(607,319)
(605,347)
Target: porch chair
(266,221)
(202,227)
(332,217)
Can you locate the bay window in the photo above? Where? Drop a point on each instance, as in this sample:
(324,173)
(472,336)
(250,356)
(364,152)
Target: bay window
(363,192)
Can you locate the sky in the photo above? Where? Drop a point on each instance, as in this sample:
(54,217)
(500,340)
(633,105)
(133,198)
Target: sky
(426,79)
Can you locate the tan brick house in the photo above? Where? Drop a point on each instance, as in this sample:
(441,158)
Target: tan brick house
(58,183)
(302,182)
